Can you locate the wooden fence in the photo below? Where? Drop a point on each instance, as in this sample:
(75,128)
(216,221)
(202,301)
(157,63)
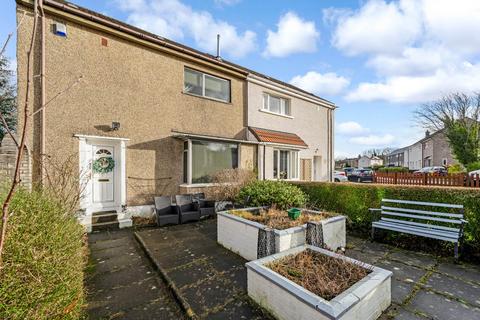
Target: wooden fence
(449,180)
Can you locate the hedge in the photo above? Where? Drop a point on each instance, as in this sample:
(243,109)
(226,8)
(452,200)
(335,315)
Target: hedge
(44,259)
(353,200)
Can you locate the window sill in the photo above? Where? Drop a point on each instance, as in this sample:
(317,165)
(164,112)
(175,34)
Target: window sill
(207,98)
(275,114)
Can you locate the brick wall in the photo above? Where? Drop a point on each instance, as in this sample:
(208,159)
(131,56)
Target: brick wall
(8,154)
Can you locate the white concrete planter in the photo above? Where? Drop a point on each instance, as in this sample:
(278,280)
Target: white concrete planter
(241,235)
(286,300)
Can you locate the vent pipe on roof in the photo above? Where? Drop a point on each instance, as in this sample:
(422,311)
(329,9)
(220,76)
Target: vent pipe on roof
(218,47)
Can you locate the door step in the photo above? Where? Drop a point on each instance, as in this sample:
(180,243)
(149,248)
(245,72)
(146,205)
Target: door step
(105,221)
(101,218)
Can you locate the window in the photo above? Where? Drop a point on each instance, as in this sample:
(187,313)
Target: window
(210,157)
(276,104)
(285,164)
(205,85)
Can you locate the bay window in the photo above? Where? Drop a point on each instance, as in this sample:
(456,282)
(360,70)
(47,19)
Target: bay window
(276,104)
(285,164)
(208,158)
(206,85)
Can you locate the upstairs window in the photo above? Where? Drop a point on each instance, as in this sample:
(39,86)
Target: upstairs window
(276,104)
(206,85)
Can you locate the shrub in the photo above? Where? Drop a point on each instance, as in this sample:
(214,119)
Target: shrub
(353,200)
(473,166)
(393,169)
(456,168)
(44,259)
(377,167)
(230,182)
(281,194)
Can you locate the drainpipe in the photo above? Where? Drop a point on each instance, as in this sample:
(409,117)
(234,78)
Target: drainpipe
(42,90)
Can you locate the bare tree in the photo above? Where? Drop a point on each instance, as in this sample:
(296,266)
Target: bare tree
(458,115)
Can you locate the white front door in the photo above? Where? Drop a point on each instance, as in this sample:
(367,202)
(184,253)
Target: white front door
(103,176)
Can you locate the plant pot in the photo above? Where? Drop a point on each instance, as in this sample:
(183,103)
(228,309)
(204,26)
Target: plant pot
(294,213)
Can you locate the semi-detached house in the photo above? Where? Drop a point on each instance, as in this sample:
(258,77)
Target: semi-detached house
(145,116)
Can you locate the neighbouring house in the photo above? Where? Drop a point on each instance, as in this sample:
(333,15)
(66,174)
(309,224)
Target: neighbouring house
(397,158)
(290,125)
(369,161)
(347,163)
(432,150)
(145,116)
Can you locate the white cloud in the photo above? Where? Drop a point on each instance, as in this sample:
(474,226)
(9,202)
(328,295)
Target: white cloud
(373,140)
(420,50)
(351,128)
(227,2)
(378,27)
(417,89)
(293,35)
(321,84)
(175,20)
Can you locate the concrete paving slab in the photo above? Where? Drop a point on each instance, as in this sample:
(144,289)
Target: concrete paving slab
(454,287)
(125,286)
(413,258)
(441,308)
(467,272)
(402,271)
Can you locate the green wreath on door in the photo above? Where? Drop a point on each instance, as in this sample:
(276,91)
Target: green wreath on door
(103,165)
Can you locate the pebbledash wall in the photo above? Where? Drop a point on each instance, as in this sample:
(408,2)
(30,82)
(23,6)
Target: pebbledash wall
(311,119)
(138,85)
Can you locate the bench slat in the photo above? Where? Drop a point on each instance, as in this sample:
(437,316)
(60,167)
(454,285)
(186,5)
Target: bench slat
(432,213)
(394,228)
(420,203)
(449,234)
(432,226)
(398,214)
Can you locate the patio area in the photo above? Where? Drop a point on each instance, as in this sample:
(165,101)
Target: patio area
(209,282)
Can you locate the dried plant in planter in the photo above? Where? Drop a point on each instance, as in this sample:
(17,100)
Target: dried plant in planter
(278,219)
(320,274)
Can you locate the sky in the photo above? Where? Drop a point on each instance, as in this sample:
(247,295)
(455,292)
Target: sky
(376,60)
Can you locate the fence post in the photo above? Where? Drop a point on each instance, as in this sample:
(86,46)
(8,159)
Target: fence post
(395,177)
(425,176)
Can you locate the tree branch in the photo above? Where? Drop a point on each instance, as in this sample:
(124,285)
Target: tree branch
(16,175)
(5,125)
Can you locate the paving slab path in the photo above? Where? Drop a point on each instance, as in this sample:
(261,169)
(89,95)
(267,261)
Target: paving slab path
(210,281)
(423,286)
(121,282)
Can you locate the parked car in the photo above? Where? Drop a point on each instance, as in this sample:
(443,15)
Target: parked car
(348,171)
(436,171)
(339,176)
(475,172)
(361,175)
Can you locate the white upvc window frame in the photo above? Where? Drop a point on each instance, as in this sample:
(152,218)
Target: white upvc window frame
(285,105)
(203,74)
(293,164)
